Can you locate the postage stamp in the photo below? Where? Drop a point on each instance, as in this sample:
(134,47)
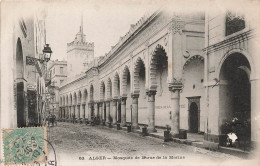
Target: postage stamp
(25,145)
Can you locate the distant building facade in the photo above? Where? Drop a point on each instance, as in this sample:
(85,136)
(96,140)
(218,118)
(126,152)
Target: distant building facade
(57,71)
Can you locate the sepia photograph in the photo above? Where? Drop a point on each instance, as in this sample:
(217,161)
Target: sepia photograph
(130,82)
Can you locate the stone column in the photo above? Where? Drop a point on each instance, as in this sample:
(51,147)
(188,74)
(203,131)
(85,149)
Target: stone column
(123,111)
(151,107)
(175,125)
(114,111)
(135,111)
(108,111)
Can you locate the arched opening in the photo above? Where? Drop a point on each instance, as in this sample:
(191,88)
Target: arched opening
(193,118)
(139,88)
(71,100)
(109,89)
(102,97)
(20,97)
(139,75)
(119,112)
(91,100)
(126,81)
(193,91)
(102,91)
(79,97)
(91,93)
(235,97)
(85,96)
(85,106)
(74,103)
(67,104)
(126,86)
(117,95)
(79,109)
(67,100)
(116,86)
(71,105)
(158,69)
(158,73)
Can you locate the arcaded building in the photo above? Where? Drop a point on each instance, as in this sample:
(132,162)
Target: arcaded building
(143,74)
(180,70)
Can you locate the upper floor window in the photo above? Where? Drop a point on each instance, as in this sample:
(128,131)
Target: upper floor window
(61,70)
(234,22)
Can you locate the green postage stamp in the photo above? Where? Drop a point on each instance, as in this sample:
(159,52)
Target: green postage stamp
(24,145)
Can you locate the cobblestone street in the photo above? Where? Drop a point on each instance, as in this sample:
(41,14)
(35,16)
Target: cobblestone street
(81,142)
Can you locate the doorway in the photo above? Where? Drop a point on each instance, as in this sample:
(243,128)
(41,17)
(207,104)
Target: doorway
(194,114)
(194,118)
(235,97)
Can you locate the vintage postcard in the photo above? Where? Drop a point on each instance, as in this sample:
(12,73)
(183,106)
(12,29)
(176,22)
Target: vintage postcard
(130,82)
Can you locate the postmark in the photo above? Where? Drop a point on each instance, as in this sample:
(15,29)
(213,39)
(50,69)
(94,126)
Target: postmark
(25,145)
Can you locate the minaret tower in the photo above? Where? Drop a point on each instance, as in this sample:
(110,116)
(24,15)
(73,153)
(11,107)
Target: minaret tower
(79,53)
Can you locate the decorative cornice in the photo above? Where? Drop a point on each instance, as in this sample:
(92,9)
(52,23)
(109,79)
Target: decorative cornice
(230,41)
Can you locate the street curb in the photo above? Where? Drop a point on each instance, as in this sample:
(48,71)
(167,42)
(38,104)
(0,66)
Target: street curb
(211,146)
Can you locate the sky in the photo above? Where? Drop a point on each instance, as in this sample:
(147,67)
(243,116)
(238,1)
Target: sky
(103,24)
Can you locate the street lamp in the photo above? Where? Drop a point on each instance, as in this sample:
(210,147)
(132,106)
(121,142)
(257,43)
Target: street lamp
(47,52)
(46,56)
